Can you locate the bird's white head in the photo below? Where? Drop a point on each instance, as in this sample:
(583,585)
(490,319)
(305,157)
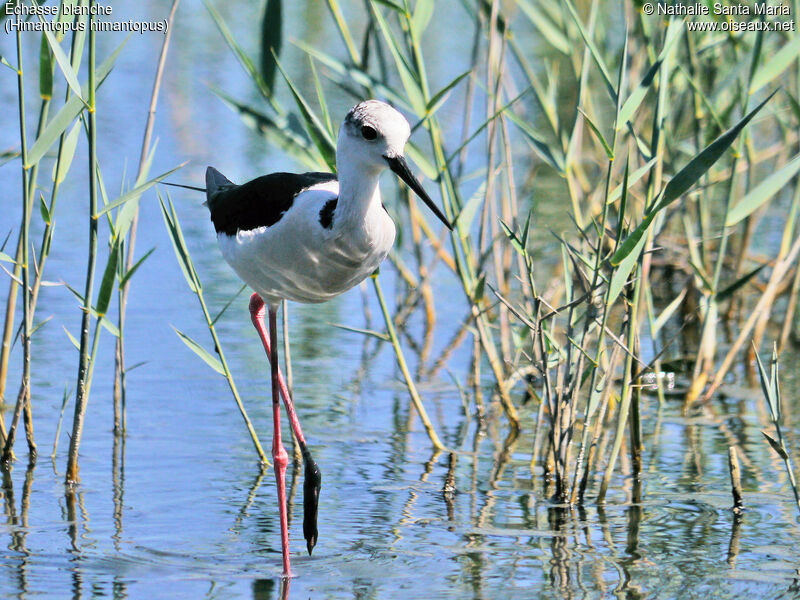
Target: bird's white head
(372,132)
(372,137)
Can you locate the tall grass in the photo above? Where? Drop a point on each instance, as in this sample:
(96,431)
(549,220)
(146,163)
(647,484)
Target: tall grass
(563,330)
(665,146)
(78,112)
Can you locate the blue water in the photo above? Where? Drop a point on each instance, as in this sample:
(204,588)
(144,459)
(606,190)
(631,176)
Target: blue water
(180,507)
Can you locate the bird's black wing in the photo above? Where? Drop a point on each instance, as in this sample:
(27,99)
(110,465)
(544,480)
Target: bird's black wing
(260,202)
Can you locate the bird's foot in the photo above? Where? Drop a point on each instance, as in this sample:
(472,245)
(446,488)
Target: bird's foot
(312,484)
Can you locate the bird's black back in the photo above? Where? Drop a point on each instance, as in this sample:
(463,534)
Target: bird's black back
(260,202)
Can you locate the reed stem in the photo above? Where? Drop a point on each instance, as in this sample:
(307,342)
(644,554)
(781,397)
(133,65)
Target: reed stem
(82,391)
(23,399)
(401,362)
(119,356)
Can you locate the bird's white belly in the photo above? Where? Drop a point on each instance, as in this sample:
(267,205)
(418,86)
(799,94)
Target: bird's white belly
(297,259)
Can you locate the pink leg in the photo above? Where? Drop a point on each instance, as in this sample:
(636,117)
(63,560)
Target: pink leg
(312,479)
(279,457)
(257,310)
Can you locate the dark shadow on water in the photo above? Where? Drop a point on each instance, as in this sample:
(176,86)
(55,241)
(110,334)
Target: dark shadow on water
(449,488)
(118,586)
(244,510)
(118,487)
(18,521)
(263,589)
(736,534)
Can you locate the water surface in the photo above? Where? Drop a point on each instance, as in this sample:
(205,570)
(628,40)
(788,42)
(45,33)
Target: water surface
(180,507)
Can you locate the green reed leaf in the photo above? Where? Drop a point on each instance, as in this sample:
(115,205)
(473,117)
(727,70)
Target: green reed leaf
(227,305)
(793,104)
(633,178)
(685,179)
(596,394)
(623,204)
(67,153)
(319,134)
(668,311)
(339,73)
(776,445)
(43,210)
(480,288)
(244,60)
(107,283)
(466,216)
(368,332)
(765,190)
(637,95)
(61,59)
(633,101)
(410,83)
(545,25)
(700,164)
(766,387)
(440,96)
(732,288)
(321,100)
(69,112)
(551,156)
(39,325)
(45,70)
(178,245)
(137,191)
(71,338)
(393,5)
(598,58)
(271,40)
(423,11)
(129,273)
(634,241)
(620,275)
(773,377)
(609,152)
(208,358)
(276,131)
(777,64)
(344,31)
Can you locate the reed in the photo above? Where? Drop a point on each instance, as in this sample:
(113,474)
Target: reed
(82,386)
(220,365)
(23,399)
(770,386)
(559,328)
(129,242)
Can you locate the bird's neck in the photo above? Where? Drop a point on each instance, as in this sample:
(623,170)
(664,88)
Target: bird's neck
(359,196)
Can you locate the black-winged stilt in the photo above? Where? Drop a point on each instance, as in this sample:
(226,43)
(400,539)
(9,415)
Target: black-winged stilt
(309,237)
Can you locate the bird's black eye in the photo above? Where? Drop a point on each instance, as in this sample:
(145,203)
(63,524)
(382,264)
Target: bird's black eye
(368,132)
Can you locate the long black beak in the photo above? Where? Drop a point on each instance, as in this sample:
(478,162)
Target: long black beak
(400,167)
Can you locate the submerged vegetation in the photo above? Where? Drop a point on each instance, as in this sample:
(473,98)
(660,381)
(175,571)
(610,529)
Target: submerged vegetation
(665,146)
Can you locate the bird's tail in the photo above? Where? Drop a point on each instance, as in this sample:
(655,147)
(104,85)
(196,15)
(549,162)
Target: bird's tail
(216,181)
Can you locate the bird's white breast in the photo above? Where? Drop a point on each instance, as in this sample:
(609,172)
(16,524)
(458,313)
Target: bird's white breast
(299,259)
